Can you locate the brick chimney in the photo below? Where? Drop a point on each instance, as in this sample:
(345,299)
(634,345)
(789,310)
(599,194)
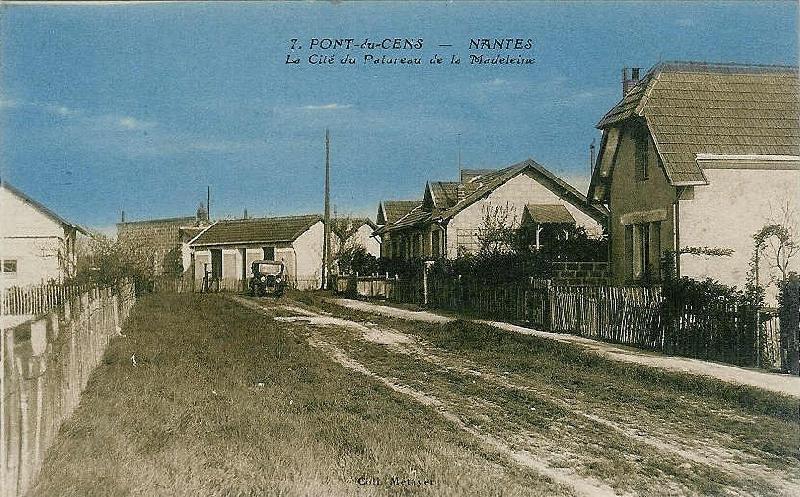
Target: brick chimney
(462,192)
(629,82)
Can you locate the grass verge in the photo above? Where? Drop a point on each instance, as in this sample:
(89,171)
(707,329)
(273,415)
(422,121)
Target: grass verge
(225,401)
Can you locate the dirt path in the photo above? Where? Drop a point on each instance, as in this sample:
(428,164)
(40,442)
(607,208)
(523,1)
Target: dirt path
(779,383)
(564,460)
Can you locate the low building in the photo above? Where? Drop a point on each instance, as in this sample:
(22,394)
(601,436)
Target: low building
(451,215)
(36,244)
(695,159)
(226,249)
(163,240)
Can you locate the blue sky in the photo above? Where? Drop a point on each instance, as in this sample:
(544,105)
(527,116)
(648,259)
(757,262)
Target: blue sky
(139,107)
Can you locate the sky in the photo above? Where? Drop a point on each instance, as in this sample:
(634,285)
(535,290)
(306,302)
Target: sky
(105,108)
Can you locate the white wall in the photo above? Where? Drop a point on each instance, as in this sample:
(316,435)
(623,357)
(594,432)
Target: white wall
(308,253)
(517,192)
(727,213)
(32,239)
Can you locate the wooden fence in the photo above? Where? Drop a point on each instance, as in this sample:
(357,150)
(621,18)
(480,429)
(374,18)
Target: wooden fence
(627,315)
(46,364)
(37,299)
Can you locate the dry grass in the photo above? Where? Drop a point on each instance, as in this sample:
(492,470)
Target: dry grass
(225,401)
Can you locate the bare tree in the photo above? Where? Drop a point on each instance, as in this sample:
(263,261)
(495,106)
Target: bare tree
(780,241)
(496,232)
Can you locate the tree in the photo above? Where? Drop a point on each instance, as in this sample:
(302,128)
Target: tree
(498,229)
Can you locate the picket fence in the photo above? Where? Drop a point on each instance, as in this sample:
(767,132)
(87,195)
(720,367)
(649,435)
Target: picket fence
(626,315)
(37,299)
(46,364)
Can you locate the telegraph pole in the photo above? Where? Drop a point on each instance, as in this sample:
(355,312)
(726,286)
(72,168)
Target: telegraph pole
(326,247)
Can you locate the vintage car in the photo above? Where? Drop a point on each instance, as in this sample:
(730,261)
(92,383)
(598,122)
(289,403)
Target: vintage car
(268,277)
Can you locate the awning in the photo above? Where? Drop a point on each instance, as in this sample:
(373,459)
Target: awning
(548,214)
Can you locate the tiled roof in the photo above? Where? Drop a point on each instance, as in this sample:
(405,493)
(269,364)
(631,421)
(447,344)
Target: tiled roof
(445,193)
(258,230)
(395,209)
(178,221)
(483,186)
(417,215)
(693,108)
(548,214)
(468,175)
(566,191)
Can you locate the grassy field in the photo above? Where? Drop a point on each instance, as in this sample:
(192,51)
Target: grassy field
(227,400)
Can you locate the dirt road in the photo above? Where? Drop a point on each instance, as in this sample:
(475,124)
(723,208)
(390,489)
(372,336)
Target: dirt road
(594,434)
(780,383)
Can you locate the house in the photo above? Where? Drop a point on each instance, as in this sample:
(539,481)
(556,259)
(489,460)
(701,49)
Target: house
(389,212)
(227,248)
(163,240)
(695,159)
(448,220)
(354,232)
(36,244)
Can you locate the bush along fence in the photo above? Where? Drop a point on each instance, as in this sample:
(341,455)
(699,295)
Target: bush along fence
(46,364)
(675,322)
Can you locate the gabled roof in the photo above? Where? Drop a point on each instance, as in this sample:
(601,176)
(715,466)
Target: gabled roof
(390,211)
(42,208)
(256,230)
(547,214)
(344,227)
(486,184)
(468,175)
(555,184)
(692,108)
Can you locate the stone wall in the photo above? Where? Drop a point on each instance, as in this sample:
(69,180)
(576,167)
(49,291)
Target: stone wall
(581,273)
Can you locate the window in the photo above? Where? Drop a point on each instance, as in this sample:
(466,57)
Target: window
(641,142)
(10,267)
(435,237)
(269,253)
(643,251)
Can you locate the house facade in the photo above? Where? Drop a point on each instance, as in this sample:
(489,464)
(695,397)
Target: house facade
(226,249)
(447,222)
(36,244)
(695,159)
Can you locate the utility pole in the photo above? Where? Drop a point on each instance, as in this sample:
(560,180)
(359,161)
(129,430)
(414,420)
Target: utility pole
(326,247)
(459,156)
(208,202)
(591,159)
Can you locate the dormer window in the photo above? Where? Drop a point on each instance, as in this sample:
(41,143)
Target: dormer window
(641,142)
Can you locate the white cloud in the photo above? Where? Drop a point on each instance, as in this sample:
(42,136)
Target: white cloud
(332,106)
(685,22)
(7,103)
(128,122)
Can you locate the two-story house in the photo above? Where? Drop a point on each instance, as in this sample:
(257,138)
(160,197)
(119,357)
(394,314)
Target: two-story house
(694,160)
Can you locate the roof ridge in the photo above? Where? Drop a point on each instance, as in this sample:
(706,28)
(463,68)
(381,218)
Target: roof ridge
(720,65)
(271,218)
